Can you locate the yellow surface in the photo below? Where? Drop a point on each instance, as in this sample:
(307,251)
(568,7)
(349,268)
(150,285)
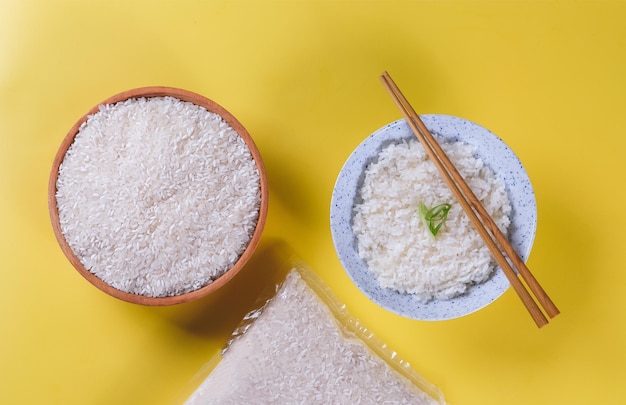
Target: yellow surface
(302,76)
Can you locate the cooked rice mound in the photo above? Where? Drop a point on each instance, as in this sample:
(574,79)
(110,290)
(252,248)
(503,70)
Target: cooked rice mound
(394,243)
(157,196)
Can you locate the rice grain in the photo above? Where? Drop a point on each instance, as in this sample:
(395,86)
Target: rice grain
(157,196)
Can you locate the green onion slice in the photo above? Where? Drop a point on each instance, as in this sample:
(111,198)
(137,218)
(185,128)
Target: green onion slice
(434,217)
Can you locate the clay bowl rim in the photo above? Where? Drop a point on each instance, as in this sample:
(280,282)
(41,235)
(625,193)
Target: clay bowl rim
(184,95)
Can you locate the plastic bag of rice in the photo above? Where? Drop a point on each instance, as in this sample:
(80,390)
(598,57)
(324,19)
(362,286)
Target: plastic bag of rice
(302,347)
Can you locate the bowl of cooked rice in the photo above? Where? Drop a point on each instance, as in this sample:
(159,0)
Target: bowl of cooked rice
(158,196)
(402,237)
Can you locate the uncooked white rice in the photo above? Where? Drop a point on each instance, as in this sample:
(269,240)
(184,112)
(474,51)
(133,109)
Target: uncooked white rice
(393,241)
(296,352)
(157,196)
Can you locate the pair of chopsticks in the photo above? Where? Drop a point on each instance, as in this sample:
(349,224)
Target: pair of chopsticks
(497,243)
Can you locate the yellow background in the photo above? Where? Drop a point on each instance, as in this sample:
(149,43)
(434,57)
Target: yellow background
(302,76)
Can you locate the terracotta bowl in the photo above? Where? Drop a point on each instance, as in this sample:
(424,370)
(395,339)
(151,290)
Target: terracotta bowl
(183,95)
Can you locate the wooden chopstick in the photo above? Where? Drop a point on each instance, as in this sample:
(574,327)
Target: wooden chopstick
(488,230)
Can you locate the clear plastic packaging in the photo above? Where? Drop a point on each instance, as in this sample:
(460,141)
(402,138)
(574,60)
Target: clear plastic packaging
(299,344)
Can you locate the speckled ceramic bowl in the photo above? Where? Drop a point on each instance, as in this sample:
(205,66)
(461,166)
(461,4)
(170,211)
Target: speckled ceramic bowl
(495,153)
